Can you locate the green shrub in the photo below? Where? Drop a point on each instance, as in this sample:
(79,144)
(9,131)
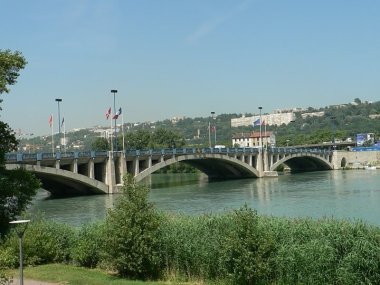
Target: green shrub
(87,249)
(191,245)
(246,250)
(131,243)
(43,242)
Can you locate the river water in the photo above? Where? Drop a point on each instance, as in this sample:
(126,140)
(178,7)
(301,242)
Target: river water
(351,194)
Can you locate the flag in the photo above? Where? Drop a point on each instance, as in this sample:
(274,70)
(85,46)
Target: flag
(256,123)
(63,121)
(118,113)
(213,129)
(51,120)
(263,123)
(108,113)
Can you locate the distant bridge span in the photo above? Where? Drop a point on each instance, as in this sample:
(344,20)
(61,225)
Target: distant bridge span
(213,165)
(101,172)
(61,182)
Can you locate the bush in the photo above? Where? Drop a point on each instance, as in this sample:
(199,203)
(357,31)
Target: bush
(43,242)
(131,243)
(87,249)
(246,250)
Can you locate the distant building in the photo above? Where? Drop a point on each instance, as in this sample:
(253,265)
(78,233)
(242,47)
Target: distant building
(374,116)
(269,119)
(177,119)
(252,139)
(312,114)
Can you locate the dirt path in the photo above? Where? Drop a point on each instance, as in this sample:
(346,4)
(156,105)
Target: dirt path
(33,282)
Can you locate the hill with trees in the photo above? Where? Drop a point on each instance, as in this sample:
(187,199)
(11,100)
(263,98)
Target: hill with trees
(339,122)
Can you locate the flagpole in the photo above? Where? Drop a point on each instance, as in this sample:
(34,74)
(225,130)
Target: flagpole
(64,133)
(111,133)
(122,129)
(52,134)
(265,132)
(261,138)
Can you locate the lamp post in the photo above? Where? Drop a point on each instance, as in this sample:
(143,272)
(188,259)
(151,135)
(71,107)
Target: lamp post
(114,91)
(261,139)
(20,233)
(214,127)
(333,129)
(58,100)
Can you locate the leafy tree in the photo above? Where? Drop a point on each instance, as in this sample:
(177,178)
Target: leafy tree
(10,65)
(167,139)
(132,226)
(357,101)
(17,187)
(8,141)
(100,144)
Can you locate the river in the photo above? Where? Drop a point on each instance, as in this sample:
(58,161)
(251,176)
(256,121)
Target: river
(351,194)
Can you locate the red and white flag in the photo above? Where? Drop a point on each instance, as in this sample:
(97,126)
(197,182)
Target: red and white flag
(51,120)
(118,113)
(108,113)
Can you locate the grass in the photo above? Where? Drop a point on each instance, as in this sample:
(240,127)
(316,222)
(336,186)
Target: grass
(73,275)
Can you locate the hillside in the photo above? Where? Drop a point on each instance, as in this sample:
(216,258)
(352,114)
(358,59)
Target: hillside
(340,121)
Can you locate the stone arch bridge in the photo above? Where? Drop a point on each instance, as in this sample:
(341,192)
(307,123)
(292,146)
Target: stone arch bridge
(75,173)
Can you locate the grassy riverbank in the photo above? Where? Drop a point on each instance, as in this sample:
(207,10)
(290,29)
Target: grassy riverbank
(73,275)
(239,247)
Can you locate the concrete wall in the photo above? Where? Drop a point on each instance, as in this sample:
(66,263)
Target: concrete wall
(355,159)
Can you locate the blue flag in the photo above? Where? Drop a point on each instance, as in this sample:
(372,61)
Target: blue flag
(256,123)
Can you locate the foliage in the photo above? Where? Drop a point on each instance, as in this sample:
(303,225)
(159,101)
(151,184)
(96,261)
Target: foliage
(178,167)
(239,247)
(233,247)
(87,248)
(4,279)
(8,141)
(10,65)
(159,138)
(44,242)
(100,144)
(131,243)
(246,249)
(17,188)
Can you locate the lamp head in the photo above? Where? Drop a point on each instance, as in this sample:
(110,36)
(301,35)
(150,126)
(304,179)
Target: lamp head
(58,100)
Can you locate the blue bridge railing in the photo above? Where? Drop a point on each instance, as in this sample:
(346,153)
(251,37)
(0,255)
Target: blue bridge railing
(19,157)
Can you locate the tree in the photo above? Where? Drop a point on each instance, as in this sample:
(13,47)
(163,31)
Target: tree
(8,141)
(132,226)
(10,65)
(100,144)
(17,187)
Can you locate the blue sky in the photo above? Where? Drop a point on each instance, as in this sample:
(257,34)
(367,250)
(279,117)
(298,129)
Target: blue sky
(172,58)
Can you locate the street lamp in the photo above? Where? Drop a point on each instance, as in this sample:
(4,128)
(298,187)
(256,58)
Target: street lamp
(58,100)
(261,139)
(209,129)
(214,128)
(20,233)
(114,91)
(333,129)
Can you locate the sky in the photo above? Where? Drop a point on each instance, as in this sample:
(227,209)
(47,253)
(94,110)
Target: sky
(170,58)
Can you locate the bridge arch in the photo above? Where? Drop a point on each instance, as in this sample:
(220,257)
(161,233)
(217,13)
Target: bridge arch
(304,162)
(61,182)
(213,165)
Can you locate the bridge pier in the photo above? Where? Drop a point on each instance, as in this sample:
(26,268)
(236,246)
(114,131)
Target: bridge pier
(110,174)
(91,168)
